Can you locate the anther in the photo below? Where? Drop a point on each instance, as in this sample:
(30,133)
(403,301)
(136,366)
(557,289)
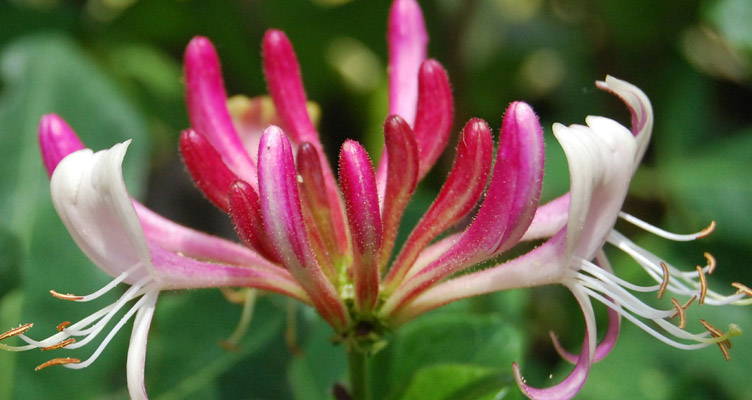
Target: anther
(724,345)
(16,331)
(711,262)
(664,282)
(60,345)
(61,326)
(742,288)
(703,285)
(679,312)
(57,361)
(707,231)
(67,296)
(689,302)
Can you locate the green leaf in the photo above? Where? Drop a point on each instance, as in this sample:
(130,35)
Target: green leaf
(43,74)
(321,364)
(455,382)
(450,338)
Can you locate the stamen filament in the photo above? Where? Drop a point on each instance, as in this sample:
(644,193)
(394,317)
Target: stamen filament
(666,234)
(106,288)
(679,312)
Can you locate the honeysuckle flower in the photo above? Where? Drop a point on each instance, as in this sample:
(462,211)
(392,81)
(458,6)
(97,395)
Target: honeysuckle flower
(135,246)
(602,156)
(337,237)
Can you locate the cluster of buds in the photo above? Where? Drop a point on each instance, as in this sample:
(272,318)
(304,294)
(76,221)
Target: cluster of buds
(331,243)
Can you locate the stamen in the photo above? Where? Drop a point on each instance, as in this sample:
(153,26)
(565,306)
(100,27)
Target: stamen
(57,361)
(707,231)
(703,285)
(664,282)
(666,234)
(59,345)
(710,261)
(724,345)
(16,331)
(679,312)
(689,302)
(67,296)
(742,288)
(61,326)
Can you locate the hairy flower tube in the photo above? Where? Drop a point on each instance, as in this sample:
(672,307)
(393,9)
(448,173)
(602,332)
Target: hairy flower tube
(329,239)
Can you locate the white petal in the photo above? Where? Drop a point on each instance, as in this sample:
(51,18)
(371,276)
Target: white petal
(601,161)
(89,194)
(137,348)
(640,108)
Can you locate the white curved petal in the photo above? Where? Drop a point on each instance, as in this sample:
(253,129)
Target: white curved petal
(639,107)
(137,348)
(601,158)
(89,194)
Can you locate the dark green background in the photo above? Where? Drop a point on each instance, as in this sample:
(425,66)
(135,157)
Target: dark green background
(113,70)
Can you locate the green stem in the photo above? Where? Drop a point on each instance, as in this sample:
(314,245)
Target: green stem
(358,361)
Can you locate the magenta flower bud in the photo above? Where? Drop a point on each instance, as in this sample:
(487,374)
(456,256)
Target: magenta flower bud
(56,140)
(207,107)
(209,172)
(359,189)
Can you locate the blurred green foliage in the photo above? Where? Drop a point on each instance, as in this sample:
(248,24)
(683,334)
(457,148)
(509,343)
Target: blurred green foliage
(112,69)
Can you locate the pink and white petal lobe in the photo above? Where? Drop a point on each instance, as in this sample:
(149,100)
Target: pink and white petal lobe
(639,107)
(89,194)
(207,107)
(549,219)
(600,158)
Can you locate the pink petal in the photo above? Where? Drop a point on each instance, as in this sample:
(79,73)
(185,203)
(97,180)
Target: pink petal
(435,114)
(207,169)
(56,140)
(407,40)
(245,212)
(402,177)
(285,229)
(207,107)
(460,192)
(359,189)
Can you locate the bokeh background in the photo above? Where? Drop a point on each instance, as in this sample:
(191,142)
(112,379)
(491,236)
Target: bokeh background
(112,68)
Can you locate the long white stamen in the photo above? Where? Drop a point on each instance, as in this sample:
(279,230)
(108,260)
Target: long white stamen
(110,285)
(598,272)
(624,298)
(130,294)
(645,327)
(110,335)
(666,234)
(684,283)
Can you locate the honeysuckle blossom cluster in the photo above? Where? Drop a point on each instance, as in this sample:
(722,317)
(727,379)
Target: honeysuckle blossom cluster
(330,243)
